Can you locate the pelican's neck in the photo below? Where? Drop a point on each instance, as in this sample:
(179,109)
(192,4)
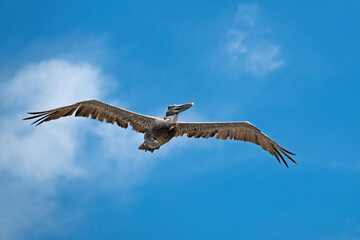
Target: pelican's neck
(172,119)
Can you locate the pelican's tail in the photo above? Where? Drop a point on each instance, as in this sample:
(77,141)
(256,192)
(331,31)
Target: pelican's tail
(142,147)
(146,148)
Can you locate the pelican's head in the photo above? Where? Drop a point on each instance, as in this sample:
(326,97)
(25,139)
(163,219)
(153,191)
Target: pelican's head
(176,109)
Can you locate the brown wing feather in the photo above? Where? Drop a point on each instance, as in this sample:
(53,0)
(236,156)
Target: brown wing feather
(97,110)
(243,131)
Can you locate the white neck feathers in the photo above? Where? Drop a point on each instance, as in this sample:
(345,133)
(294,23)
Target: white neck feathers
(173,119)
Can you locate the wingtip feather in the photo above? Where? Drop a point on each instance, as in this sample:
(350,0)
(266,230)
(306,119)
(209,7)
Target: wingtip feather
(282,158)
(287,156)
(287,151)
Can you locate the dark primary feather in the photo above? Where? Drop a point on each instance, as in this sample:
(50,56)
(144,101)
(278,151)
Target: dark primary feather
(96,110)
(242,131)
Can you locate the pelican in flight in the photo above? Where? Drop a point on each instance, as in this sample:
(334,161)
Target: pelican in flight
(160,130)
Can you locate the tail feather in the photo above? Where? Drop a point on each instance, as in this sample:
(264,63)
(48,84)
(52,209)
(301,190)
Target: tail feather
(146,148)
(142,147)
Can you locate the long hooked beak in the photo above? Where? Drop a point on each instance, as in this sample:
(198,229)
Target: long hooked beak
(183,107)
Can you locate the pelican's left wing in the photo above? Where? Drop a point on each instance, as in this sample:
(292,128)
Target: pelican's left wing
(243,131)
(97,110)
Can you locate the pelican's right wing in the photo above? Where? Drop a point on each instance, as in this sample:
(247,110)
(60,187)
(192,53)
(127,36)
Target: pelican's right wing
(243,131)
(97,110)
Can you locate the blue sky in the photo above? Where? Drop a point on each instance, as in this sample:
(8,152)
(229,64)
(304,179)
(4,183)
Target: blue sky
(290,68)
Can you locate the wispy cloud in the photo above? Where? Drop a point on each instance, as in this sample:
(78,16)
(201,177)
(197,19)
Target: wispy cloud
(247,14)
(248,46)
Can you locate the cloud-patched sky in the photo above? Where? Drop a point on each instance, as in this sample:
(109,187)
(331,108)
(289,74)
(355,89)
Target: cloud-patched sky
(76,178)
(248,46)
(40,86)
(35,160)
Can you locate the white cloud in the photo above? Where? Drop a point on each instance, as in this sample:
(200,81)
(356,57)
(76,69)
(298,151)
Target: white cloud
(237,45)
(262,61)
(44,153)
(248,47)
(34,161)
(247,14)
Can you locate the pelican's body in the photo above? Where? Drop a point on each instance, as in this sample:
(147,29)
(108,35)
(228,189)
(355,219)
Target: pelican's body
(160,130)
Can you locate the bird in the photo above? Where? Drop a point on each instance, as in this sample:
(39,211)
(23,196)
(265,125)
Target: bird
(160,130)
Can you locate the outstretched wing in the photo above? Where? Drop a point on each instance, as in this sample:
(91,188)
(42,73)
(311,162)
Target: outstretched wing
(97,110)
(243,131)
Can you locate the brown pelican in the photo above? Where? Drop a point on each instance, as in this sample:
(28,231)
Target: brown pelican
(160,130)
